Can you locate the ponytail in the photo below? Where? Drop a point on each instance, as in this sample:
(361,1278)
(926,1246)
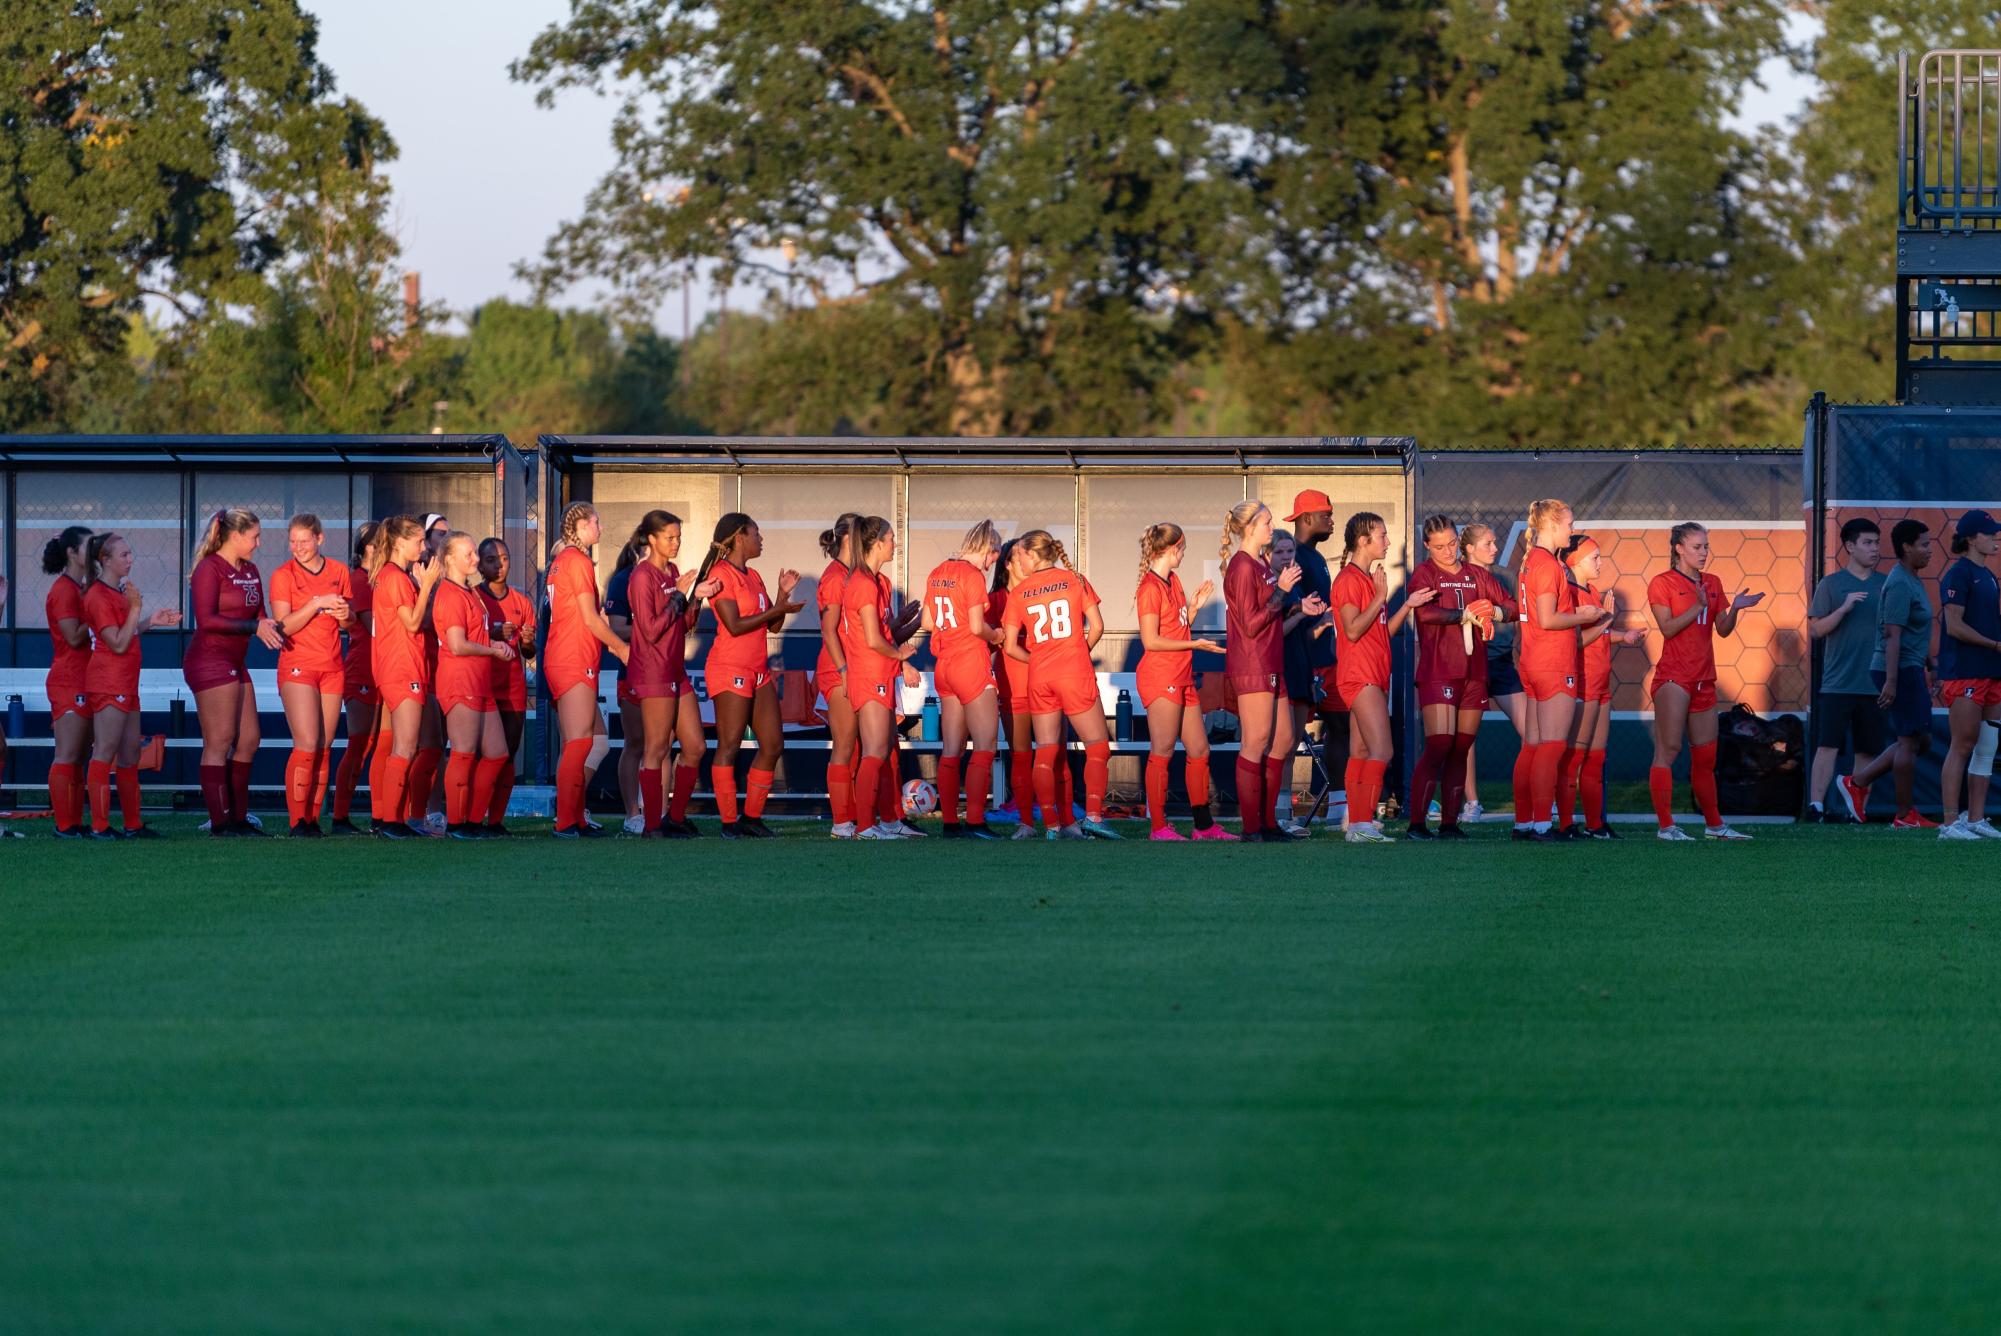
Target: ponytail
(55,553)
(728,529)
(1158,538)
(834,541)
(1043,545)
(220,526)
(1237,523)
(1360,525)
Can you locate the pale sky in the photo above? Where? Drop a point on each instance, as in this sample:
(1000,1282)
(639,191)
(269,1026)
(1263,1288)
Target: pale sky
(486,176)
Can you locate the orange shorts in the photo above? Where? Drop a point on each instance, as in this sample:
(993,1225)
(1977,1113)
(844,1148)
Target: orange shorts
(327,681)
(112,700)
(1350,689)
(1597,685)
(1701,695)
(1546,683)
(1173,683)
(730,680)
(394,694)
(1982,691)
(562,681)
(477,704)
(1064,695)
(871,690)
(964,679)
(827,681)
(68,702)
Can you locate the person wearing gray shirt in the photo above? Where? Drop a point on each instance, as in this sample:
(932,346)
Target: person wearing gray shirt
(1899,670)
(1842,617)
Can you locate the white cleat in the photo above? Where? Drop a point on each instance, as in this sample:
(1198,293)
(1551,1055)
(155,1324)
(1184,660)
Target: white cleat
(879,832)
(1023,831)
(1726,833)
(844,830)
(1471,811)
(1984,829)
(1957,830)
(1674,833)
(1297,828)
(635,825)
(1366,832)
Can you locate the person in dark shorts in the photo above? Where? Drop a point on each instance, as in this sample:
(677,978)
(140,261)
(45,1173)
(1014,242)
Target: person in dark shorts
(1842,617)
(1899,669)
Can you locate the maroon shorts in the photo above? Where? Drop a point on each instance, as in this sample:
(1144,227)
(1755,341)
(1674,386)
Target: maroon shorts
(1468,694)
(202,676)
(1253,684)
(671,690)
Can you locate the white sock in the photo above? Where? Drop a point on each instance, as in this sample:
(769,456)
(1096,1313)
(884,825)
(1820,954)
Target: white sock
(1542,827)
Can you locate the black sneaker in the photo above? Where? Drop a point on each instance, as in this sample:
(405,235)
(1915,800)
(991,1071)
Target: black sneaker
(71,833)
(465,830)
(1420,833)
(222,832)
(950,831)
(753,828)
(590,830)
(393,830)
(1276,835)
(142,833)
(1545,837)
(981,831)
(1522,833)
(677,830)
(728,830)
(1601,832)
(1575,831)
(568,832)
(1452,833)
(245,830)
(342,826)
(106,834)
(497,830)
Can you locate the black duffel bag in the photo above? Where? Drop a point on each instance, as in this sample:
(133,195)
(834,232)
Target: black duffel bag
(1760,763)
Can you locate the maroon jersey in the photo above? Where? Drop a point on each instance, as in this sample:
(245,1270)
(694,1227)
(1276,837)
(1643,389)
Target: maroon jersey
(1441,644)
(227,602)
(1256,645)
(661,619)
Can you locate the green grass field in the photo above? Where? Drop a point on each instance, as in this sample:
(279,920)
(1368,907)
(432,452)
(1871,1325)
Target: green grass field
(802,1086)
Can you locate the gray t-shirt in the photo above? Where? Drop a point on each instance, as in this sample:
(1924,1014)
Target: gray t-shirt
(1904,604)
(1844,655)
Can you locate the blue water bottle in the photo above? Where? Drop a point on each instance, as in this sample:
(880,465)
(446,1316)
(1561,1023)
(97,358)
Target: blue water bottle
(17,718)
(1123,711)
(931,733)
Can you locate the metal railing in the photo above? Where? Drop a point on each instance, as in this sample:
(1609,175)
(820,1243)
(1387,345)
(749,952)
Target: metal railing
(1949,133)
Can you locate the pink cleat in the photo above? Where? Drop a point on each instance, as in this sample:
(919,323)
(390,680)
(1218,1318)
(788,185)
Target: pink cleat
(1213,833)
(1168,833)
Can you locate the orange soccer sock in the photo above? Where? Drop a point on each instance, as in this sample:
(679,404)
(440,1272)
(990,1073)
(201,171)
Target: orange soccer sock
(299,768)
(650,797)
(317,799)
(685,778)
(1351,784)
(458,787)
(1156,790)
(948,788)
(395,780)
(423,773)
(503,789)
(1097,778)
(61,799)
(1524,782)
(1372,785)
(378,778)
(1592,782)
(868,779)
(888,800)
(840,792)
(979,785)
(1547,761)
(1660,784)
(485,779)
(128,796)
(570,781)
(1045,787)
(760,790)
(100,795)
(1702,778)
(722,778)
(1569,771)
(1021,779)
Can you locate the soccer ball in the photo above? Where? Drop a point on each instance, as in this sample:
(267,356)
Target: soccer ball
(919,798)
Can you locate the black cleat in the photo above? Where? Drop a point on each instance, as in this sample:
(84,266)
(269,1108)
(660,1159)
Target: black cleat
(1421,834)
(1522,834)
(979,831)
(464,830)
(1452,833)
(753,828)
(142,833)
(728,830)
(678,830)
(393,830)
(106,834)
(305,830)
(568,832)
(1603,833)
(590,830)
(1545,837)
(71,833)
(224,833)
(497,830)
(1575,831)
(342,826)
(950,831)
(245,830)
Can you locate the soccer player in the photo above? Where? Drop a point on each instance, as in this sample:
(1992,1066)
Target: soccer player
(838,545)
(738,671)
(1689,608)
(1582,775)
(1011,683)
(954,615)
(1165,681)
(577,633)
(1362,673)
(466,659)
(1897,667)
(1254,660)
(631,719)
(665,604)
(1842,617)
(426,803)
(1481,549)
(403,586)
(358,685)
(67,557)
(227,598)
(115,613)
(1051,625)
(1969,669)
(1550,663)
(873,664)
(510,621)
(310,602)
(1453,628)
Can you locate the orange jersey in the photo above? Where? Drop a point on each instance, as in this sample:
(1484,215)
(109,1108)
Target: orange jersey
(1049,606)
(1546,651)
(314,647)
(749,652)
(827,598)
(469,674)
(110,673)
(1689,655)
(398,653)
(865,588)
(360,636)
(1364,662)
(1163,598)
(572,652)
(67,664)
(510,680)
(951,595)
(997,614)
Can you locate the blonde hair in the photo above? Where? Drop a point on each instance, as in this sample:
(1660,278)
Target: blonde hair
(220,526)
(1239,521)
(1042,545)
(452,540)
(982,537)
(1162,537)
(392,530)
(573,517)
(1541,513)
(1470,535)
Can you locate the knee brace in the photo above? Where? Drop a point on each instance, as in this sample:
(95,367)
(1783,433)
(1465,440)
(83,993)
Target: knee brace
(1982,762)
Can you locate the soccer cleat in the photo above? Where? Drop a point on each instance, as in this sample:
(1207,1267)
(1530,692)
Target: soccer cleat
(1452,833)
(1366,832)
(1575,831)
(876,832)
(728,831)
(434,823)
(249,828)
(1095,827)
(590,830)
(1069,832)
(949,831)
(106,834)
(1984,829)
(1913,819)
(678,830)
(979,831)
(842,830)
(1956,830)
(1545,837)
(910,832)
(1673,833)
(305,830)
(143,833)
(342,826)
(497,830)
(1023,831)
(464,830)
(635,825)
(1471,811)
(1420,834)
(560,832)
(1523,833)
(753,828)
(1726,833)
(1854,797)
(69,833)
(397,830)
(1213,832)
(1169,834)
(229,832)
(1602,833)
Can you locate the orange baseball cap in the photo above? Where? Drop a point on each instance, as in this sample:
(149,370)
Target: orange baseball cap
(1307,502)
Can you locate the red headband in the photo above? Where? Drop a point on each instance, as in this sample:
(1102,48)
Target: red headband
(1588,545)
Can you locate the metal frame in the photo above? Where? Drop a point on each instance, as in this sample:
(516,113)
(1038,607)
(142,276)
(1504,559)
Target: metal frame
(1948,288)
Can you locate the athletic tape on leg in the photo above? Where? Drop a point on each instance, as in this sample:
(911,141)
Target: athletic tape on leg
(1983,750)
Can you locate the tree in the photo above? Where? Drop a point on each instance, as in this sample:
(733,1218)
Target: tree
(1021,191)
(151,149)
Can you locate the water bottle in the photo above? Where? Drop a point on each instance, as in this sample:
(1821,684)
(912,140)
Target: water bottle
(17,718)
(931,733)
(1123,711)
